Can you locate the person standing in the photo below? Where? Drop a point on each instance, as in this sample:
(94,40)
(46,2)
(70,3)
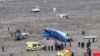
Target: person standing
(82,44)
(83,32)
(51,47)
(70,44)
(84,53)
(8,28)
(54,9)
(93,39)
(62,46)
(11,34)
(56,46)
(78,44)
(89,51)
(44,48)
(3,49)
(88,43)
(65,44)
(72,53)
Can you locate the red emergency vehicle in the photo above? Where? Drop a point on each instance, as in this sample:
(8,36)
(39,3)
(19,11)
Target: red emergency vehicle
(96,53)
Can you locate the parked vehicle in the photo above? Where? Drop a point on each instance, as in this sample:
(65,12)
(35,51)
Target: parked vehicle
(18,35)
(63,16)
(64,53)
(36,9)
(33,46)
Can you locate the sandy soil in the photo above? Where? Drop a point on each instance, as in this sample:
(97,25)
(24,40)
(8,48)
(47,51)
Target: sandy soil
(83,15)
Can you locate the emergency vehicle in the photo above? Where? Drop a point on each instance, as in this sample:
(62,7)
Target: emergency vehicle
(33,46)
(64,53)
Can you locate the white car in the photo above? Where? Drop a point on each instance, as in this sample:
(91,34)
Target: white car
(63,16)
(35,9)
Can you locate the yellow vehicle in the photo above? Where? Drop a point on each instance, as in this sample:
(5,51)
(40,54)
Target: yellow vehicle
(33,46)
(64,53)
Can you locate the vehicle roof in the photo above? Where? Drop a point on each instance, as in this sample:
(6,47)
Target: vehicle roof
(96,53)
(64,51)
(32,42)
(63,14)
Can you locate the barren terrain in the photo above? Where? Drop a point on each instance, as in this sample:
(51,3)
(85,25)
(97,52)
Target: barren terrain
(83,15)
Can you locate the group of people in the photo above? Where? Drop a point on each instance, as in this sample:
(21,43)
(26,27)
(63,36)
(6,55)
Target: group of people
(88,52)
(88,46)
(82,44)
(48,48)
(56,47)
(59,46)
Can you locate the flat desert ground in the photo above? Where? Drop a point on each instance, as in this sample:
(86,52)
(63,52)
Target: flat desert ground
(84,15)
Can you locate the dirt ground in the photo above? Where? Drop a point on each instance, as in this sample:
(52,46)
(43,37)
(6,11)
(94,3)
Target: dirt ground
(84,15)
